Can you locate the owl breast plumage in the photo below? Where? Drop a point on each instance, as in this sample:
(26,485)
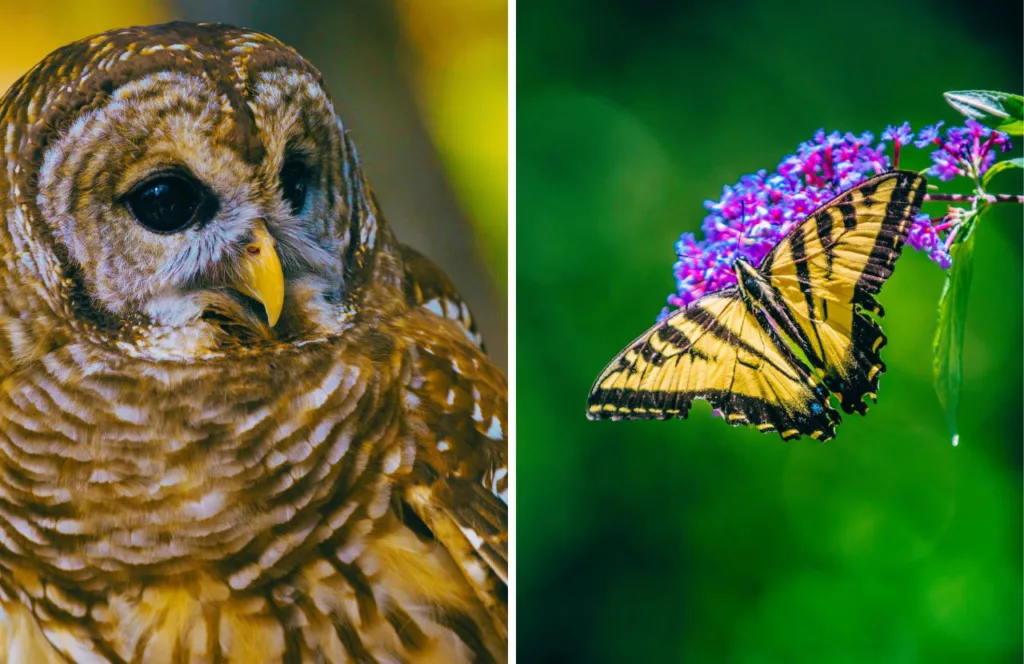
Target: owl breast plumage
(239,421)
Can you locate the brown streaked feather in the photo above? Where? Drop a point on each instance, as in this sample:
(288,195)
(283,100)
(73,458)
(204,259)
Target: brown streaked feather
(479,511)
(427,286)
(172,495)
(460,481)
(472,526)
(463,401)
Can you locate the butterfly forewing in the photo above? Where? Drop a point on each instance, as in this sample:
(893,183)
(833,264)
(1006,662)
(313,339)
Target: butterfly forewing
(832,264)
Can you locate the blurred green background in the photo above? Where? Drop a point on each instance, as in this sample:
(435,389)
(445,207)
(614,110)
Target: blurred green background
(421,87)
(691,540)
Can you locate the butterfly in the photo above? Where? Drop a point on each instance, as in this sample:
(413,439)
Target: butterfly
(737,348)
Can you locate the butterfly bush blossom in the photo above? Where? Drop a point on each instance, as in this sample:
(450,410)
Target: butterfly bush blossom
(755,213)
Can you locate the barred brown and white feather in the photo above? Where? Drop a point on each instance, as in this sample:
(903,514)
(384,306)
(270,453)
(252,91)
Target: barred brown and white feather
(186,473)
(427,286)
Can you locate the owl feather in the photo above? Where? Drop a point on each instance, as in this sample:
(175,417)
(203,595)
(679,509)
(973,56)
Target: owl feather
(239,420)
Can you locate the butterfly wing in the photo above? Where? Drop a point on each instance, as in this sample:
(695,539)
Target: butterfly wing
(724,351)
(830,266)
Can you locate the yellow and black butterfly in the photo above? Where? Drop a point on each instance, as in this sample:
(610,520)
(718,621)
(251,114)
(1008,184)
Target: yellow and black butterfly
(734,347)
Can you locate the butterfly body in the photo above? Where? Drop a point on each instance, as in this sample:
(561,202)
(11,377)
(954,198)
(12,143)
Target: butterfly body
(757,293)
(735,347)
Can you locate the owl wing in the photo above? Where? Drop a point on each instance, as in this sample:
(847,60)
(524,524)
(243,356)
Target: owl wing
(460,486)
(427,286)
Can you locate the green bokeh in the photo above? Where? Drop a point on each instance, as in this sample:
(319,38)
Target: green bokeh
(690,540)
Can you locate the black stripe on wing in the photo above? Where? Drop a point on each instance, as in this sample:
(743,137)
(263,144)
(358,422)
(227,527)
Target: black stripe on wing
(904,203)
(809,415)
(863,365)
(868,338)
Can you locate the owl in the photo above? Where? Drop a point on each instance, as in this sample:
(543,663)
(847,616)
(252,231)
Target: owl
(239,420)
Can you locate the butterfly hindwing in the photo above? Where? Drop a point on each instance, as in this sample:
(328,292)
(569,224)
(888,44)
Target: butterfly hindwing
(830,266)
(724,351)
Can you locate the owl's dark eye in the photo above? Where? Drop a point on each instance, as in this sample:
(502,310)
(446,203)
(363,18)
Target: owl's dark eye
(166,203)
(294,182)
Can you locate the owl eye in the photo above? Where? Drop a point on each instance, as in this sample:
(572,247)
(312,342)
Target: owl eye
(166,203)
(294,181)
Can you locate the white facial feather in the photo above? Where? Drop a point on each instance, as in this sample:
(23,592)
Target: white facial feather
(174,121)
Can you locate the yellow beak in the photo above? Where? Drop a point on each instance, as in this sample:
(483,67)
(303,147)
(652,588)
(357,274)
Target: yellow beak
(260,276)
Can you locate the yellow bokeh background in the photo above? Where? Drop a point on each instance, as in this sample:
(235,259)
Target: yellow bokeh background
(32,30)
(461,71)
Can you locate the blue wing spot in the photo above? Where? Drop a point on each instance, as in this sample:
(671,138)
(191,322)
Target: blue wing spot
(816,408)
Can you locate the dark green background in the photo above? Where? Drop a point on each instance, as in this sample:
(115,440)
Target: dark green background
(691,540)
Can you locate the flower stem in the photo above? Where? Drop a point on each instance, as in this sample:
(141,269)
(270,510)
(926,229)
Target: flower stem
(988,198)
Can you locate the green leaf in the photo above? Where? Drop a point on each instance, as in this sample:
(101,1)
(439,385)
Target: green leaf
(998,110)
(1001,166)
(947,348)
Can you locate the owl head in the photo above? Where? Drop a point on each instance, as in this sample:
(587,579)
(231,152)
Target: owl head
(190,179)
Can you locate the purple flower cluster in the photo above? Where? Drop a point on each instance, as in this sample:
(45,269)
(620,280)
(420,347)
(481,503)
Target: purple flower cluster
(963,151)
(755,213)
